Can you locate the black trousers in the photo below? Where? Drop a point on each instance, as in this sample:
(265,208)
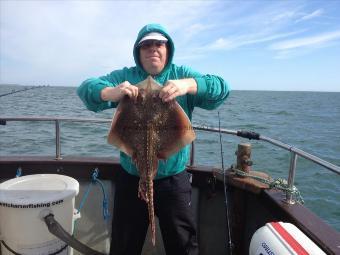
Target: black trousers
(172,201)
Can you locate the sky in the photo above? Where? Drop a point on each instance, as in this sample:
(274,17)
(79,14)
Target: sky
(254,45)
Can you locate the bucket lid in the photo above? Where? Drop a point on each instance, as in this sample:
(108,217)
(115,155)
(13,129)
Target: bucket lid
(38,189)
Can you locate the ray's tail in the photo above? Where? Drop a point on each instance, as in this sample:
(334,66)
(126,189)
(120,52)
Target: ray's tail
(145,192)
(151,173)
(147,167)
(149,191)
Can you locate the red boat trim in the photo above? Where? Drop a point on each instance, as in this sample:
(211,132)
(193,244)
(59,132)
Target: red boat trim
(289,239)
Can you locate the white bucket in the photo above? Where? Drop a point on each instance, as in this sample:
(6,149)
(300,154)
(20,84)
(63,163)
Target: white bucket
(23,201)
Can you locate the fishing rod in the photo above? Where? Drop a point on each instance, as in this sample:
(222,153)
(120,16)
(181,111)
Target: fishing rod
(21,90)
(225,188)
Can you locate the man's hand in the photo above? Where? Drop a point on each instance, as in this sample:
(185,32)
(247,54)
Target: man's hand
(175,88)
(115,94)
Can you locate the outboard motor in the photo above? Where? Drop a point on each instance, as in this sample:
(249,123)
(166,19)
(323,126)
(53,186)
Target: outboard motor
(277,238)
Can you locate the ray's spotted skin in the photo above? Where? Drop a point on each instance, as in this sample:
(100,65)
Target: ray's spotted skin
(148,129)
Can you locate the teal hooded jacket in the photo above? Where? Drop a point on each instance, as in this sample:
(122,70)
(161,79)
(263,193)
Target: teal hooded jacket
(211,92)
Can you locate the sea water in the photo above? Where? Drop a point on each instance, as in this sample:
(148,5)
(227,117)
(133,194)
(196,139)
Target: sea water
(306,120)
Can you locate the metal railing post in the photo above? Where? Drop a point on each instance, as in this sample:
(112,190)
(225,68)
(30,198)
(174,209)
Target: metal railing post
(192,154)
(57,141)
(291,176)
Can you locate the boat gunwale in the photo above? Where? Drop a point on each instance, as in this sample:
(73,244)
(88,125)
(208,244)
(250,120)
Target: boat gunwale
(80,167)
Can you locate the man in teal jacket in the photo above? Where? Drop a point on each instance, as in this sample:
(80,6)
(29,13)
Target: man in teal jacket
(153,53)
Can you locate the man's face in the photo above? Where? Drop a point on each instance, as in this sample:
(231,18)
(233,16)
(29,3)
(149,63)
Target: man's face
(153,56)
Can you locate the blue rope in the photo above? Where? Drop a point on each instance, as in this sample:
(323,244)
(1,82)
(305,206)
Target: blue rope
(19,172)
(106,213)
(95,180)
(84,197)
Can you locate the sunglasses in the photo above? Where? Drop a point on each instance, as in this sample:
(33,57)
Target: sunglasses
(149,43)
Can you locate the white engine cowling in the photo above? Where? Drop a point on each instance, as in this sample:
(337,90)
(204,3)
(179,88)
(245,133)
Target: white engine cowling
(276,238)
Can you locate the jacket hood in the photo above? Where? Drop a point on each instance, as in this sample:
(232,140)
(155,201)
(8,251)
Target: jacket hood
(148,29)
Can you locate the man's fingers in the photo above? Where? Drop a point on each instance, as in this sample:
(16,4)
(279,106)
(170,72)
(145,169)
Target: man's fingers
(168,85)
(134,90)
(171,97)
(168,89)
(163,92)
(172,90)
(169,94)
(128,92)
(127,89)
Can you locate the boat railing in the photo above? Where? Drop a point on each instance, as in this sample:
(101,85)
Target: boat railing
(294,152)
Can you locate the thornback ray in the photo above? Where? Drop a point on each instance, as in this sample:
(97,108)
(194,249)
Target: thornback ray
(149,130)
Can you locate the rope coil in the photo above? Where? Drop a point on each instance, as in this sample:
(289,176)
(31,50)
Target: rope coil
(279,183)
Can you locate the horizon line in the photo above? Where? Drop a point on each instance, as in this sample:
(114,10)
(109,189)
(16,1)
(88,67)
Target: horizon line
(265,90)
